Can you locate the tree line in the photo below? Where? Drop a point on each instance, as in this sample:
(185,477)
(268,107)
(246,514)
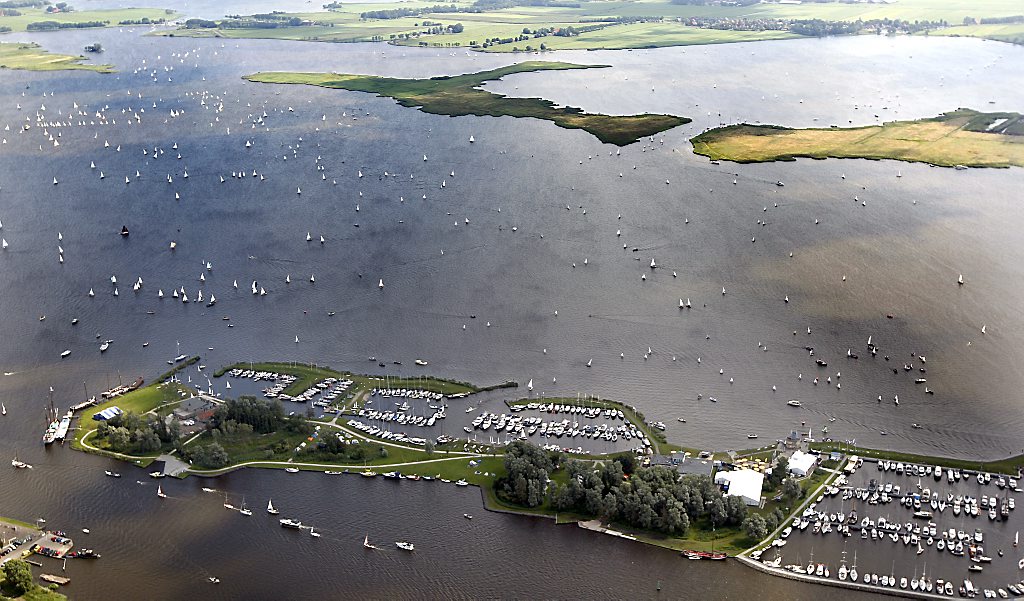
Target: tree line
(54,25)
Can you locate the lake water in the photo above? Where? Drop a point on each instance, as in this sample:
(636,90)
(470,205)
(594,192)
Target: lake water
(900,254)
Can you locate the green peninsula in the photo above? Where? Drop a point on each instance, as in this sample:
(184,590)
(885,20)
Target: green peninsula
(461,95)
(962,137)
(31,57)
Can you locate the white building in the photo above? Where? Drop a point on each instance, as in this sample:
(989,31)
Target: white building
(802,464)
(745,484)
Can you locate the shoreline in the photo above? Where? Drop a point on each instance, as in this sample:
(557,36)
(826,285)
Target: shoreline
(483,468)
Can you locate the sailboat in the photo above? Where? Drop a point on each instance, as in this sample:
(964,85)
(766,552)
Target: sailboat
(313,533)
(529,385)
(366,543)
(3,411)
(243,509)
(271,509)
(160,492)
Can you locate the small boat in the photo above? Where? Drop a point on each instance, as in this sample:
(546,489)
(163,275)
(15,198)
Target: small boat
(65,354)
(156,474)
(160,492)
(21,465)
(751,436)
(421,363)
(467,516)
(793,403)
(213,580)
(405,546)
(112,474)
(292,470)
(271,509)
(104,347)
(290,523)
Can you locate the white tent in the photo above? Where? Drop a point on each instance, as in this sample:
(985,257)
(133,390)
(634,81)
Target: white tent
(745,484)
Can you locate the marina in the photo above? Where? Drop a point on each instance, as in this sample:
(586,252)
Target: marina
(908,527)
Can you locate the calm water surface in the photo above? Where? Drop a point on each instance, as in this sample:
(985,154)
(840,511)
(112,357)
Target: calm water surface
(900,254)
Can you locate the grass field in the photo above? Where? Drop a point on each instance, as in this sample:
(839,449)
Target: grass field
(1012,33)
(112,16)
(460,95)
(31,57)
(612,37)
(948,140)
(345,25)
(138,401)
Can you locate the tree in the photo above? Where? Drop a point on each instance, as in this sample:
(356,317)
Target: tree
(756,527)
(212,456)
(717,513)
(428,448)
(147,441)
(779,471)
(18,575)
(735,510)
(119,439)
(791,490)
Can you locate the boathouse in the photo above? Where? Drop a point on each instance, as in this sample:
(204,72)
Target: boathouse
(801,464)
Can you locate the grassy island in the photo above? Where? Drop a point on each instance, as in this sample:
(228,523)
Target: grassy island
(31,57)
(461,95)
(962,137)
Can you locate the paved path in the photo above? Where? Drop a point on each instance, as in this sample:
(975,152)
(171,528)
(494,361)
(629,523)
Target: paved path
(329,466)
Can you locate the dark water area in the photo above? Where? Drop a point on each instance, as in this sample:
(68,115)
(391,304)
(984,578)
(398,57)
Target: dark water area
(901,254)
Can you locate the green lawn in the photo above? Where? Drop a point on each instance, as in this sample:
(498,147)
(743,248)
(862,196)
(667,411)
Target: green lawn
(111,16)
(31,57)
(18,523)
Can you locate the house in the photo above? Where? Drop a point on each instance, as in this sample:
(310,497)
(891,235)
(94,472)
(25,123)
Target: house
(684,464)
(745,484)
(802,464)
(191,408)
